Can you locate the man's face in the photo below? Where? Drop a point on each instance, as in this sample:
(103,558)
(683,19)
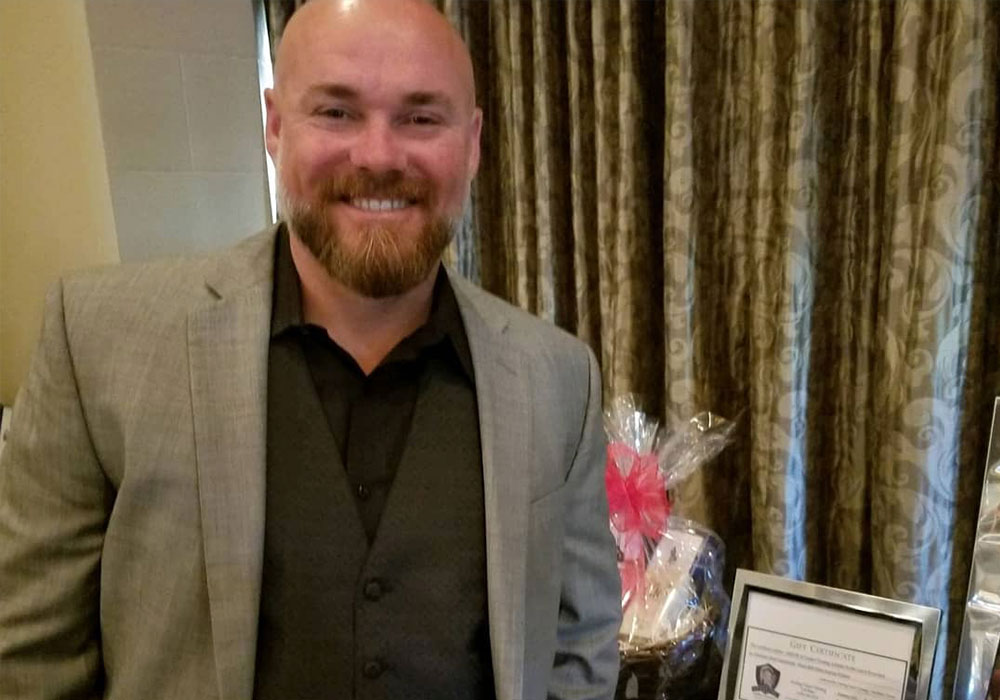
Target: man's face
(376,139)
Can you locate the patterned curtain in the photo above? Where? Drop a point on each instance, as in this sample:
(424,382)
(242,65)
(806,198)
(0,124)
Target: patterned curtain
(785,208)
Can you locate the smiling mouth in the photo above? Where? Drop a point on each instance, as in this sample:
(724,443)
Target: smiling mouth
(379,205)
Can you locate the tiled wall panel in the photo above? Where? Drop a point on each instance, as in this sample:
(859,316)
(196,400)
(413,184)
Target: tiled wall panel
(180,113)
(223,109)
(143,116)
(220,27)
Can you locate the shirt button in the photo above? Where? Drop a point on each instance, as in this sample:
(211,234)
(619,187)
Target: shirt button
(373,589)
(364,493)
(372,669)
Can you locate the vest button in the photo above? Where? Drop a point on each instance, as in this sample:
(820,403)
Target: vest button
(372,669)
(373,589)
(364,493)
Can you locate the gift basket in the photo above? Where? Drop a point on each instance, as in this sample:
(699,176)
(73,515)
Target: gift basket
(674,605)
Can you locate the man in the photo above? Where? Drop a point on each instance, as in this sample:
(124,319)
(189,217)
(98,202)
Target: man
(319,464)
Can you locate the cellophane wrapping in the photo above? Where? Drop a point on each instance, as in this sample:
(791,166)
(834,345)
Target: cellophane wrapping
(674,605)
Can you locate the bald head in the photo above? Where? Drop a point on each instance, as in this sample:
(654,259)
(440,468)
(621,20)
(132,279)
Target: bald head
(413,29)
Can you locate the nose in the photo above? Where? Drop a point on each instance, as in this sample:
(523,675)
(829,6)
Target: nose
(377,149)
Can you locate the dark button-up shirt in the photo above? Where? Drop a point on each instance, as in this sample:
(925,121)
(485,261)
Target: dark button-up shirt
(370,416)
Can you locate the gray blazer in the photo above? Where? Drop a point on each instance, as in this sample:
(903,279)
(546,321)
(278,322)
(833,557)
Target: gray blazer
(132,491)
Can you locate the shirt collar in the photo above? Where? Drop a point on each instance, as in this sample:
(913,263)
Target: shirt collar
(444,323)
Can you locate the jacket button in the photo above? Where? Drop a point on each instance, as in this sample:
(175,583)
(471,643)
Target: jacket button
(373,589)
(372,669)
(364,493)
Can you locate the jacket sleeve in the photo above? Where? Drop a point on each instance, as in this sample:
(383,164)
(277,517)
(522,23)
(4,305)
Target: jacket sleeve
(586,660)
(54,505)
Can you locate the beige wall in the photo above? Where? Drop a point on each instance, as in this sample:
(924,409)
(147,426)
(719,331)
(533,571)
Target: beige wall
(55,203)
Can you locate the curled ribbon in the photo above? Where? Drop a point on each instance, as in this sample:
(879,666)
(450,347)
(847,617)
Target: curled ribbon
(637,500)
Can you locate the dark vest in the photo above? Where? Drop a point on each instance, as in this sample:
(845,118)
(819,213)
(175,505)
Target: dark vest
(405,617)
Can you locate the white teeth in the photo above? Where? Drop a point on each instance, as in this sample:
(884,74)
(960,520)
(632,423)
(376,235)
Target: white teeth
(379,204)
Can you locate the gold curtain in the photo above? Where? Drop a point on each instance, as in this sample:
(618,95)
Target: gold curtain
(783,208)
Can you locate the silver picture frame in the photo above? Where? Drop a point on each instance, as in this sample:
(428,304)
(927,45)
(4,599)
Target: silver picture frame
(888,652)
(977,671)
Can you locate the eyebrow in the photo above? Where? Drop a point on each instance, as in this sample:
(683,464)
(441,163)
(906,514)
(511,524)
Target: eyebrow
(337,90)
(413,99)
(424,99)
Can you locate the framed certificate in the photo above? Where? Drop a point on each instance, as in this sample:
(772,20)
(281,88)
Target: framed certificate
(799,641)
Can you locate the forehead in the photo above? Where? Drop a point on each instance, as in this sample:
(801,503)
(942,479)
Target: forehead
(376,59)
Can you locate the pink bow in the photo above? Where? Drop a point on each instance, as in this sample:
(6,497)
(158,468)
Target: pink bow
(637,499)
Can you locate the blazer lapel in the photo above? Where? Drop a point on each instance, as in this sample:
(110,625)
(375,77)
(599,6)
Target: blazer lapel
(505,426)
(228,344)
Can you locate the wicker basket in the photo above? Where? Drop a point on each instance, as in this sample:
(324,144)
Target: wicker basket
(686,668)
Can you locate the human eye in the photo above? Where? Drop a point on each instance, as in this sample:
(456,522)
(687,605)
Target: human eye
(333,113)
(422,119)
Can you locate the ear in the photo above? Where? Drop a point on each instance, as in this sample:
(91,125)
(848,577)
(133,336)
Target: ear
(272,125)
(475,129)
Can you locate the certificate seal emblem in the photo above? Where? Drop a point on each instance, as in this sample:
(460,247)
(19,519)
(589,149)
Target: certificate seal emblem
(767,680)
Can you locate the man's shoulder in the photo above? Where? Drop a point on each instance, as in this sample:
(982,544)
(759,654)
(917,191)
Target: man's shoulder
(168,284)
(530,332)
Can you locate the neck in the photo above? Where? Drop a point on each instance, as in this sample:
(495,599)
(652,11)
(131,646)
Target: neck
(367,329)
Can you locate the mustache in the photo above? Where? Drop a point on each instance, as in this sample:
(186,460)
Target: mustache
(375,186)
